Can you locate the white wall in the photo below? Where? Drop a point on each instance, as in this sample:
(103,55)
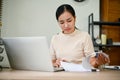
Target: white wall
(37,17)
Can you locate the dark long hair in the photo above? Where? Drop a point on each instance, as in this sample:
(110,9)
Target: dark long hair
(63,8)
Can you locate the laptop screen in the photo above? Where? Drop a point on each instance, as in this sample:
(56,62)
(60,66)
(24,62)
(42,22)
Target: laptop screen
(28,53)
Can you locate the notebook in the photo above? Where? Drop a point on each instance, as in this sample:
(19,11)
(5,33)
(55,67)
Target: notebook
(29,53)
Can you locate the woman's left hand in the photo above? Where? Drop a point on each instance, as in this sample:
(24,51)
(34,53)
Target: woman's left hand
(99,60)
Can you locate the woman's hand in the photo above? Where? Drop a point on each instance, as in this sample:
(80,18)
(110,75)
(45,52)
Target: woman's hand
(99,60)
(56,63)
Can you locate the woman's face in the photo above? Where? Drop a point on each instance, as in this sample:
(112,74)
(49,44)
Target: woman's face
(67,22)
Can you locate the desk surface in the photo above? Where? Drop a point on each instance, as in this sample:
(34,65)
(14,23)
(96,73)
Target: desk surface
(21,74)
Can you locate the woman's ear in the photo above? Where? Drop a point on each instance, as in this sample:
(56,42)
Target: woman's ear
(75,19)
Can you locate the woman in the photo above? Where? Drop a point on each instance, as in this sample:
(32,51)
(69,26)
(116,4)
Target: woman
(71,44)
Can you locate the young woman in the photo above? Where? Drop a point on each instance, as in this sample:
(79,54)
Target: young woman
(71,44)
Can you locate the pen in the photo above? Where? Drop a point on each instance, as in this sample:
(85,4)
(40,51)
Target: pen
(96,56)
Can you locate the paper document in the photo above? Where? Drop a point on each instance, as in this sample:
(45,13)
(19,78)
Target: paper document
(83,67)
(73,67)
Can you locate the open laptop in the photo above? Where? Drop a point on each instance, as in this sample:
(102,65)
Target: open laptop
(29,53)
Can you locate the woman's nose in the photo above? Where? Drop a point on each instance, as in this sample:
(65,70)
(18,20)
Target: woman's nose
(66,24)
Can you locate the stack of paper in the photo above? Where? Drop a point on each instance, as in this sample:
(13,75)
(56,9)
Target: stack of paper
(73,67)
(84,67)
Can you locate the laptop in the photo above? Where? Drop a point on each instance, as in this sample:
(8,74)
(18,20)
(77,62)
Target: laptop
(29,53)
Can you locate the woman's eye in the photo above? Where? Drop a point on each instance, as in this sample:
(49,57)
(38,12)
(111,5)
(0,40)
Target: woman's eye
(61,22)
(69,20)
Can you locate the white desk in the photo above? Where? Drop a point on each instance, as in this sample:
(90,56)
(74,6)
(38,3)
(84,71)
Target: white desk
(21,74)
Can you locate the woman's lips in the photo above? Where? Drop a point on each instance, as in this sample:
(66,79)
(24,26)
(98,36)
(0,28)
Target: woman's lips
(68,29)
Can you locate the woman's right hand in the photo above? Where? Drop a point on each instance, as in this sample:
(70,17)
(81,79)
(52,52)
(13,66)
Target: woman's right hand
(57,62)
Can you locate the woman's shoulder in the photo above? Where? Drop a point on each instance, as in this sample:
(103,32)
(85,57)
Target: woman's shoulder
(83,33)
(55,36)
